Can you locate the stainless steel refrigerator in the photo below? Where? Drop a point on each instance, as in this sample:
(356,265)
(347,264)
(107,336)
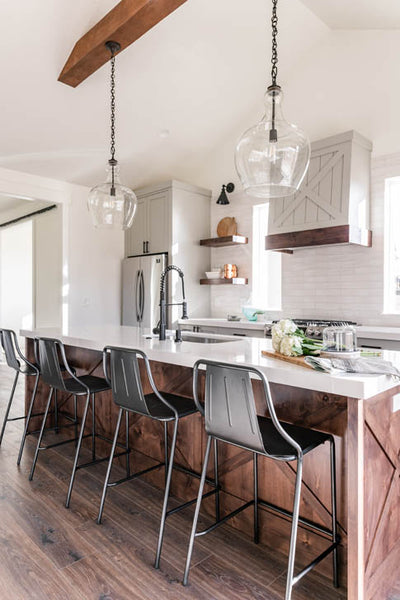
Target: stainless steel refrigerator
(141,289)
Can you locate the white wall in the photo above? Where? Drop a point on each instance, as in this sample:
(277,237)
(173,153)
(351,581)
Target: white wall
(47,250)
(337,282)
(16,298)
(92,266)
(91,258)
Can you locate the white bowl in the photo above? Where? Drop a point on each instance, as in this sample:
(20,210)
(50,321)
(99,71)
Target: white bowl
(213,274)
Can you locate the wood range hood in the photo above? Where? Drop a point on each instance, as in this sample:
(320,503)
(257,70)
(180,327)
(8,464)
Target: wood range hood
(332,206)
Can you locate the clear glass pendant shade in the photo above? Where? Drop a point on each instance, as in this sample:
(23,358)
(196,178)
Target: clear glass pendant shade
(112,205)
(272,157)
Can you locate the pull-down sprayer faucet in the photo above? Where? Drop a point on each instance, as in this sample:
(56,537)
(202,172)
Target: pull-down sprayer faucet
(164,303)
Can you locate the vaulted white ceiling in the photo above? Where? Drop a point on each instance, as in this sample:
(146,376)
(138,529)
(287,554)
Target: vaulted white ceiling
(185,90)
(357,14)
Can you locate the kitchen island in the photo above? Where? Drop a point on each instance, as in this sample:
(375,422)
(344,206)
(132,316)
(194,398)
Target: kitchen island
(362,412)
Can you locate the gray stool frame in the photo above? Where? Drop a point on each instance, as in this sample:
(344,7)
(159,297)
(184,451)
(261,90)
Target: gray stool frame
(236,423)
(17,361)
(50,350)
(128,394)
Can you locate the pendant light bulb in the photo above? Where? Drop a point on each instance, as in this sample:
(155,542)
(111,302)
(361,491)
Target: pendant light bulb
(272,157)
(111,204)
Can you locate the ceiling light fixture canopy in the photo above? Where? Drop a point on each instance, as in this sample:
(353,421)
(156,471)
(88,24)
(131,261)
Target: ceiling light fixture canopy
(272,157)
(112,205)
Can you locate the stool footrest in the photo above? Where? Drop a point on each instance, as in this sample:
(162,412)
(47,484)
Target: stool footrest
(190,502)
(106,439)
(225,519)
(193,474)
(134,475)
(314,562)
(286,513)
(100,460)
(63,442)
(9,419)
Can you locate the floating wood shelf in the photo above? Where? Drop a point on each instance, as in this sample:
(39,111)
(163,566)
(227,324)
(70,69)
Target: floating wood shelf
(228,240)
(234,281)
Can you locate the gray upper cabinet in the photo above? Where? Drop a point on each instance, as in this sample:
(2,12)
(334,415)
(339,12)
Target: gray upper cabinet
(150,232)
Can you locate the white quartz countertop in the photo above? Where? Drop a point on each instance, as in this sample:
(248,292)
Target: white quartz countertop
(378,333)
(233,350)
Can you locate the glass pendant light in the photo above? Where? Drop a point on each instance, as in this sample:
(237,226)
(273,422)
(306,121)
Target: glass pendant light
(112,205)
(272,157)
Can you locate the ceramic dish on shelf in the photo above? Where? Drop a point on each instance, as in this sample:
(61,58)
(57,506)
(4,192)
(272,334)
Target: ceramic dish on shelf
(213,274)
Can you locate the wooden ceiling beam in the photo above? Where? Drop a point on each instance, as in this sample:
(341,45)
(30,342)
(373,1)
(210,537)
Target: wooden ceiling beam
(125,23)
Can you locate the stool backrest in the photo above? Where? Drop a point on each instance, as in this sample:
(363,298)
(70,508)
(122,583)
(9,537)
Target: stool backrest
(9,344)
(50,352)
(229,406)
(122,372)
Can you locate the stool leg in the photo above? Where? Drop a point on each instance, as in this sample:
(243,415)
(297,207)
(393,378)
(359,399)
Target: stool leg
(166,495)
(216,479)
(293,534)
(255,472)
(109,467)
(93,427)
(46,412)
(75,419)
(28,419)
(78,449)
(166,451)
(128,466)
(9,406)
(334,513)
(197,511)
(56,428)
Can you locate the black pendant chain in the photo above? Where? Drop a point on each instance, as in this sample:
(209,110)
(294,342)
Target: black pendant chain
(112,90)
(274,56)
(113,48)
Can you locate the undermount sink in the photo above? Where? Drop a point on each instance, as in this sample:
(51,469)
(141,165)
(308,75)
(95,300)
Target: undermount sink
(198,338)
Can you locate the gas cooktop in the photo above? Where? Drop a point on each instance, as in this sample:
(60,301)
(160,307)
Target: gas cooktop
(313,327)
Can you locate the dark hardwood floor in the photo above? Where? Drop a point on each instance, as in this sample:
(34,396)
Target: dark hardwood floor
(49,552)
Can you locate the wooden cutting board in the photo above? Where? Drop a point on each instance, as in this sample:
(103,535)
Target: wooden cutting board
(227,226)
(295,360)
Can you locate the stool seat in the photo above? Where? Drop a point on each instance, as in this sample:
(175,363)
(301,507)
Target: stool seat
(95,384)
(160,411)
(278,447)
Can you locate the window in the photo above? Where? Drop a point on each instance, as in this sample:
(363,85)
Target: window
(267,269)
(392,246)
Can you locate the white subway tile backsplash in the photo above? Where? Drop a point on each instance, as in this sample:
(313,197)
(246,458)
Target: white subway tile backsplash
(338,282)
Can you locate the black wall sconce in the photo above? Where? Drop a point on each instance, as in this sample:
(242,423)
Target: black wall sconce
(223,198)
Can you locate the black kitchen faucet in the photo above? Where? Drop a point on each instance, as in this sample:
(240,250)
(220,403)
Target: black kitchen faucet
(164,303)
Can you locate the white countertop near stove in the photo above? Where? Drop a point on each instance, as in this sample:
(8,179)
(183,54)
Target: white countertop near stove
(376,332)
(241,351)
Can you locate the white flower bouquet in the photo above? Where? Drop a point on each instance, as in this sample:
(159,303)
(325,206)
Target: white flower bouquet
(289,340)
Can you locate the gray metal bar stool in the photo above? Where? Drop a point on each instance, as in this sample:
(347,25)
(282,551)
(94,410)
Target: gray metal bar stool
(16,360)
(51,352)
(231,417)
(21,365)
(121,368)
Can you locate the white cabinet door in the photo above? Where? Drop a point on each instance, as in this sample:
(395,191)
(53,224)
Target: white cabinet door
(136,236)
(159,222)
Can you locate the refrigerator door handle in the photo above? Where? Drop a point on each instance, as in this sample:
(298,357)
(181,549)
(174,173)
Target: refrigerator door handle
(137,292)
(142,297)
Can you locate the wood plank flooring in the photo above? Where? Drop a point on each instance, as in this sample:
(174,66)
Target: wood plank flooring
(50,553)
